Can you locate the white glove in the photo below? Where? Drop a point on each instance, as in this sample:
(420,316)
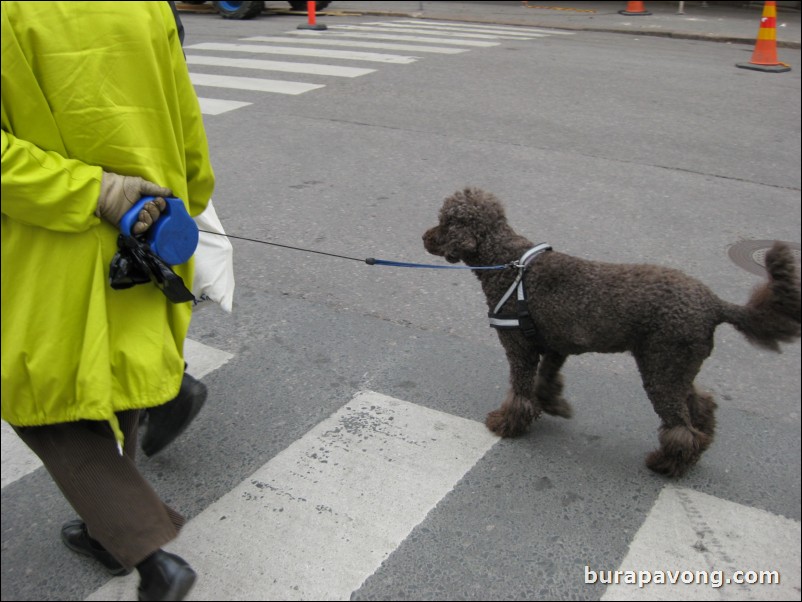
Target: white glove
(119,193)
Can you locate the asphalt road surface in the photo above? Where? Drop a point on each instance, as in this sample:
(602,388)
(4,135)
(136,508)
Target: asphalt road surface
(342,452)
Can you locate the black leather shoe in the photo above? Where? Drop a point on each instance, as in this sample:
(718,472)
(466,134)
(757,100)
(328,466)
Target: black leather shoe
(164,576)
(76,538)
(167,421)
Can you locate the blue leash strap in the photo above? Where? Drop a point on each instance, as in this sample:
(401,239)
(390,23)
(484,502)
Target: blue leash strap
(401,264)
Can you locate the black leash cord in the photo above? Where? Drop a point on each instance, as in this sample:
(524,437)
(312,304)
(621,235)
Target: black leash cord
(275,244)
(369,260)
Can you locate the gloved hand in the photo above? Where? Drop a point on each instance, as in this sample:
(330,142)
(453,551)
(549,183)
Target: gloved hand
(119,193)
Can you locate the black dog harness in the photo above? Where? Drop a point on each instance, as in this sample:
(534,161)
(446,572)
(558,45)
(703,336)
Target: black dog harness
(522,319)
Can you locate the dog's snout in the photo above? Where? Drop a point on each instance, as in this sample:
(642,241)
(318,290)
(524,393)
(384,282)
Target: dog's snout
(430,240)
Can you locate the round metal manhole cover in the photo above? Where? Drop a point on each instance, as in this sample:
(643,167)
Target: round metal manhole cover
(751,254)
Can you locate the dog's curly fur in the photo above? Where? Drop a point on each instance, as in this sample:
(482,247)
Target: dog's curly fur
(665,318)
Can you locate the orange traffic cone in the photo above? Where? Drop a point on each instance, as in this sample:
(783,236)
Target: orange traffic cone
(764,58)
(634,8)
(311,7)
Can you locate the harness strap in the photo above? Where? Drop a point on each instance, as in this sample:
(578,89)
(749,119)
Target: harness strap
(522,319)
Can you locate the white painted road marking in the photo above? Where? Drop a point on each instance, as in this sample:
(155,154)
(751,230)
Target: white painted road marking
(202,359)
(458,26)
(286,66)
(406,38)
(216,106)
(305,36)
(318,519)
(499,31)
(18,459)
(329,54)
(691,531)
(423,30)
(252,83)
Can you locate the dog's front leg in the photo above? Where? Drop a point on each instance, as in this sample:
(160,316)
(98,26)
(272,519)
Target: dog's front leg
(520,407)
(549,386)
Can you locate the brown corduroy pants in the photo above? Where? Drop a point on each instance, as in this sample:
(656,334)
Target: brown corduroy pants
(120,508)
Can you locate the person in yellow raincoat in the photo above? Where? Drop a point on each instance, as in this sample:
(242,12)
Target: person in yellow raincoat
(97,110)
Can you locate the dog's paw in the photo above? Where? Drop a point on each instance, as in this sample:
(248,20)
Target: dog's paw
(668,466)
(498,421)
(561,408)
(680,449)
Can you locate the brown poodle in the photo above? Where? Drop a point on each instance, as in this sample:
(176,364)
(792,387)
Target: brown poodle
(663,317)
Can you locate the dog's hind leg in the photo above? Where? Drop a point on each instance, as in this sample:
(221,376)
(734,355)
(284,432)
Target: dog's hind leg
(687,417)
(549,386)
(520,407)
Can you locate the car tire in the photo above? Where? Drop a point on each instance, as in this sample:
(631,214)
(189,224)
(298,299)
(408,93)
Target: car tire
(239,10)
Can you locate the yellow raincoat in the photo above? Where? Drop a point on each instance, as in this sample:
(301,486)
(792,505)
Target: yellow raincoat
(87,87)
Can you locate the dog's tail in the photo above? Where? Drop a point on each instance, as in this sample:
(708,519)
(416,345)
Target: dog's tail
(772,315)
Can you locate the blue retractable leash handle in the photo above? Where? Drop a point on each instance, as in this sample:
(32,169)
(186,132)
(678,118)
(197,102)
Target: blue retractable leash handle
(174,236)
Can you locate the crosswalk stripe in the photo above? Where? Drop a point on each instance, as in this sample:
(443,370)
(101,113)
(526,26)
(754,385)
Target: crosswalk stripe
(329,54)
(418,30)
(318,519)
(458,26)
(305,36)
(251,83)
(216,106)
(507,33)
(203,359)
(691,536)
(309,68)
(18,460)
(407,38)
